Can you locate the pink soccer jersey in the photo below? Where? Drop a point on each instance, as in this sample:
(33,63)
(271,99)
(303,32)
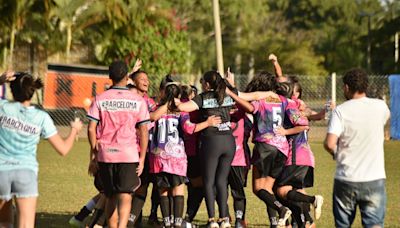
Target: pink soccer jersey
(168,149)
(270,114)
(299,150)
(191,139)
(237,125)
(118,111)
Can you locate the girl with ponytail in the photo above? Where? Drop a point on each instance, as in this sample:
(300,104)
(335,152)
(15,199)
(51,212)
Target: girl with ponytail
(168,161)
(21,127)
(217,144)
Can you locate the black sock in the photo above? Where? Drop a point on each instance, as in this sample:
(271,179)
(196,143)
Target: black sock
(273,216)
(155,201)
(83,213)
(306,211)
(165,210)
(240,208)
(297,212)
(96,217)
(171,208)
(179,204)
(137,205)
(269,199)
(299,197)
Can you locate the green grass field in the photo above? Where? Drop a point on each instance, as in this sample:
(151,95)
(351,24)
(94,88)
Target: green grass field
(65,187)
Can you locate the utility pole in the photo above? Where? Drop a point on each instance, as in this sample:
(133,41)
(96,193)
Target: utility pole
(369,44)
(396,51)
(218,38)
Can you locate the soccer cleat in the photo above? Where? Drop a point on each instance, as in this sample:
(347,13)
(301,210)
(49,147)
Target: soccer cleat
(212,224)
(73,222)
(283,216)
(225,223)
(239,223)
(319,200)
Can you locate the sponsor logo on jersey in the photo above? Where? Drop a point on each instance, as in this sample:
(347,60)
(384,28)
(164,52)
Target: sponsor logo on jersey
(213,103)
(119,105)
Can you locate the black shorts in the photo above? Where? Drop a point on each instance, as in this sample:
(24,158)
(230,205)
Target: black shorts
(168,180)
(268,160)
(297,176)
(194,167)
(119,177)
(237,178)
(98,184)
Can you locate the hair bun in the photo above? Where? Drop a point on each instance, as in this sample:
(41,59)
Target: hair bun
(38,84)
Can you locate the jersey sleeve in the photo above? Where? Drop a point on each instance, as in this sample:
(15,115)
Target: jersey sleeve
(152,106)
(94,112)
(256,105)
(48,127)
(187,126)
(198,100)
(335,125)
(143,116)
(294,114)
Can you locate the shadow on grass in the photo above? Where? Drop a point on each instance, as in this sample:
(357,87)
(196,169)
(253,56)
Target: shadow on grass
(52,219)
(59,220)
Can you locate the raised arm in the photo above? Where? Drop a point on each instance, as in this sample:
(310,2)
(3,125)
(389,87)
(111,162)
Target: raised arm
(63,146)
(7,76)
(277,67)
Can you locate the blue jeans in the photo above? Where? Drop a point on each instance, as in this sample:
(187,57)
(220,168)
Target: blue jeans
(369,196)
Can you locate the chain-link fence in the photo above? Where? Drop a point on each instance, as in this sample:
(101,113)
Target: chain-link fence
(69,91)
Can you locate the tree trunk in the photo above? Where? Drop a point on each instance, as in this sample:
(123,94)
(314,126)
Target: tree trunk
(69,41)
(12,42)
(5,57)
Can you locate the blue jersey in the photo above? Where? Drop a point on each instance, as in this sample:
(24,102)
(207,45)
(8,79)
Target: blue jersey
(20,131)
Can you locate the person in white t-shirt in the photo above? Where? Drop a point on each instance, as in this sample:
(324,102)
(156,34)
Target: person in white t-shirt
(355,140)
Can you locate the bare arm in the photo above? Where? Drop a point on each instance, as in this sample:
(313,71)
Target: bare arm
(143,140)
(330,143)
(156,115)
(211,121)
(243,103)
(188,106)
(259,95)
(291,131)
(277,67)
(63,146)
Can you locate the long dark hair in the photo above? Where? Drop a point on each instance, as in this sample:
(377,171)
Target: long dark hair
(263,81)
(217,83)
(172,91)
(24,86)
(167,79)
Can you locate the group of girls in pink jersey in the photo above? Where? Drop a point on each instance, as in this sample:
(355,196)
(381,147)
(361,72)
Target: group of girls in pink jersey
(201,141)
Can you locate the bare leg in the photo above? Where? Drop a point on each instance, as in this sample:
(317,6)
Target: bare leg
(111,211)
(26,212)
(6,214)
(124,209)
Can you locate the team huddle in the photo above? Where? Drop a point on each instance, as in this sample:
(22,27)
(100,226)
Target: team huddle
(181,138)
(200,141)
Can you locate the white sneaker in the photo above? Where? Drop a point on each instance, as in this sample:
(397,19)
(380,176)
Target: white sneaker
(225,223)
(212,224)
(319,200)
(284,216)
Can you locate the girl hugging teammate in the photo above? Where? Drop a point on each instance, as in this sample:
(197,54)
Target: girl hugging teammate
(168,160)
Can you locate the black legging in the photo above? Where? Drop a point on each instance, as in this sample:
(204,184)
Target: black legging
(216,153)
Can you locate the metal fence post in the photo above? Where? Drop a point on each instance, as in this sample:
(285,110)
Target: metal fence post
(333,87)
